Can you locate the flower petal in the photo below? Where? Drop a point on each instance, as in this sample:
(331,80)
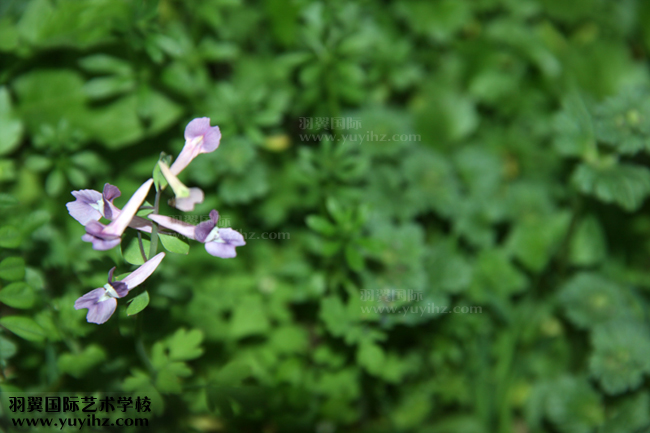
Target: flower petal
(218,249)
(232,237)
(98,311)
(211,140)
(145,270)
(101,311)
(196,128)
(203,230)
(89,299)
(119,224)
(111,192)
(181,227)
(186,204)
(81,208)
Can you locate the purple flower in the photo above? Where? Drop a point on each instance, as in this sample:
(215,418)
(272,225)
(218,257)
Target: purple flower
(218,242)
(101,303)
(106,237)
(186,197)
(200,137)
(90,205)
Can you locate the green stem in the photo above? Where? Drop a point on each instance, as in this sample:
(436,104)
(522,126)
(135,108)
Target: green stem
(153,247)
(144,256)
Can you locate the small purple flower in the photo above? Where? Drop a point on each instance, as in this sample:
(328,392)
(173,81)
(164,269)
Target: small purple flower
(102,302)
(90,205)
(200,137)
(106,237)
(218,242)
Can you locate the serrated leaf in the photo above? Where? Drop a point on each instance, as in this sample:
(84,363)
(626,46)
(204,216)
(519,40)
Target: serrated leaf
(78,364)
(12,268)
(621,355)
(185,345)
(18,295)
(174,244)
(623,121)
(624,184)
(589,299)
(138,304)
(23,327)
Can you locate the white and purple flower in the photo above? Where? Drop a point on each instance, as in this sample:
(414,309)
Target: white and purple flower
(102,302)
(90,205)
(105,237)
(219,242)
(200,137)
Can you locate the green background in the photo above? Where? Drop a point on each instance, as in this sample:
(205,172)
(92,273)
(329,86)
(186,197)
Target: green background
(515,192)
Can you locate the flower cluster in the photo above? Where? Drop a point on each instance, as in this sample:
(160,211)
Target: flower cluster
(91,206)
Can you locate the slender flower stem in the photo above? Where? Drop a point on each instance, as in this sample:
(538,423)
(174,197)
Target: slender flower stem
(144,256)
(153,247)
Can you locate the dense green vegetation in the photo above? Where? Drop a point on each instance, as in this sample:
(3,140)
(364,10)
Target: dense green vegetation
(443,203)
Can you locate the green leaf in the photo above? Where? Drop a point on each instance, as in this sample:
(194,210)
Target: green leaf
(573,405)
(371,357)
(11,128)
(249,318)
(55,183)
(534,240)
(589,299)
(588,245)
(49,96)
(106,87)
(624,184)
(7,349)
(9,237)
(7,201)
(79,364)
(158,179)
(354,258)
(174,244)
(105,64)
(321,225)
(185,345)
(623,121)
(23,327)
(334,315)
(574,128)
(621,355)
(133,255)
(138,304)
(18,295)
(12,268)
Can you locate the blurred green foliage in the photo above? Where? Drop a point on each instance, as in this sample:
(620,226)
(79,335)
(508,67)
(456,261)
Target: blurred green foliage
(519,192)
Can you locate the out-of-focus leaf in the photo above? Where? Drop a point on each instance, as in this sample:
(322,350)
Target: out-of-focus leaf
(23,327)
(11,128)
(12,268)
